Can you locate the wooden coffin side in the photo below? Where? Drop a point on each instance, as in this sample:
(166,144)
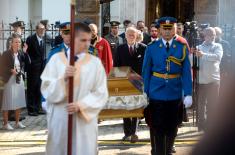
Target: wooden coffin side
(121,113)
(122,87)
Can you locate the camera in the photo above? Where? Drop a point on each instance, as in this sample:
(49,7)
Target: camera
(191,26)
(192,33)
(18,77)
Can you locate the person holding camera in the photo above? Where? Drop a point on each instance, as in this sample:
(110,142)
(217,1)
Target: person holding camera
(210,55)
(14,62)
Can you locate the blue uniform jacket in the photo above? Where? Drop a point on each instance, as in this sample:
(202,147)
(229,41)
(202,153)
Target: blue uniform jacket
(155,61)
(61,47)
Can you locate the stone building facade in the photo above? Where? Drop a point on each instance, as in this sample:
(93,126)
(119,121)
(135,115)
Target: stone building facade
(215,12)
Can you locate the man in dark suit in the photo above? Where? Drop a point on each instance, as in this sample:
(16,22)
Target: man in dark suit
(130,54)
(37,53)
(125,24)
(141,26)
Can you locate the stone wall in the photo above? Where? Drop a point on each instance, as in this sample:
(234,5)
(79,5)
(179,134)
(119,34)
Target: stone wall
(207,11)
(226,12)
(216,12)
(133,10)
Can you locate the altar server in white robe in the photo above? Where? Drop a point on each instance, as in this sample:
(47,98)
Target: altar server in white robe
(90,96)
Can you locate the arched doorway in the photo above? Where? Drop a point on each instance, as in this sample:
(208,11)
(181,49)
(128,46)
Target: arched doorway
(183,10)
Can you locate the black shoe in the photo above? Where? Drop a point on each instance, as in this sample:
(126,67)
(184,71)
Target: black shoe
(126,138)
(13,118)
(32,114)
(41,112)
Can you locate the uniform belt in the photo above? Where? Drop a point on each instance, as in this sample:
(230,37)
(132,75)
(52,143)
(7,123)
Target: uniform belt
(166,76)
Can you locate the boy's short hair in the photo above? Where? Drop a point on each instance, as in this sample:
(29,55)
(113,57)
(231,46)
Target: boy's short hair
(82,27)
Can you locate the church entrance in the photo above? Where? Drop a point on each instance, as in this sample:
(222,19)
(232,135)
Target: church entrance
(183,10)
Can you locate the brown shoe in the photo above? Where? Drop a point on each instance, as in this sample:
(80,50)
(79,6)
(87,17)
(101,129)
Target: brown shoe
(134,138)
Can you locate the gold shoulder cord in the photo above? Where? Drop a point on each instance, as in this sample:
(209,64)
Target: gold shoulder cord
(96,52)
(176,60)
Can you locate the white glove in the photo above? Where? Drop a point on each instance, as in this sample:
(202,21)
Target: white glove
(188,101)
(44,106)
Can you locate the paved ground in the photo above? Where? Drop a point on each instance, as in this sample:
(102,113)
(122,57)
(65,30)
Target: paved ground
(31,141)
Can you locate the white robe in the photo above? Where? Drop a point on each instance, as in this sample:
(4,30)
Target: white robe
(90,92)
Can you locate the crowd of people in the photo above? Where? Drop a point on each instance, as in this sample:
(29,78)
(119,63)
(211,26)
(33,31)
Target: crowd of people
(162,56)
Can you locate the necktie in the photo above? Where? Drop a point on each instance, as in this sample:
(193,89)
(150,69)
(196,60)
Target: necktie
(131,50)
(40,44)
(41,48)
(76,58)
(167,46)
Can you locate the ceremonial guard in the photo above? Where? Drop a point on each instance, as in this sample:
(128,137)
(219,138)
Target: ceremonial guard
(64,46)
(18,28)
(167,79)
(113,38)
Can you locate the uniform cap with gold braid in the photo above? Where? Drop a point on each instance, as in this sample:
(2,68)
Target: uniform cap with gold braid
(167,22)
(114,23)
(65,26)
(18,24)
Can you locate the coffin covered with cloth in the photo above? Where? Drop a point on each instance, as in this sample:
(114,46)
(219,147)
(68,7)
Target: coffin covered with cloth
(126,94)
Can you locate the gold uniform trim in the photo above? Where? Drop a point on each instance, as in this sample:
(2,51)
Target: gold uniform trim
(176,60)
(166,76)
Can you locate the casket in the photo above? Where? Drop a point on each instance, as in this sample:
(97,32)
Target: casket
(126,98)
(123,81)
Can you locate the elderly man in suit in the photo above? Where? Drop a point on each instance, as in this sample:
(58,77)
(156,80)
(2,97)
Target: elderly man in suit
(37,53)
(130,54)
